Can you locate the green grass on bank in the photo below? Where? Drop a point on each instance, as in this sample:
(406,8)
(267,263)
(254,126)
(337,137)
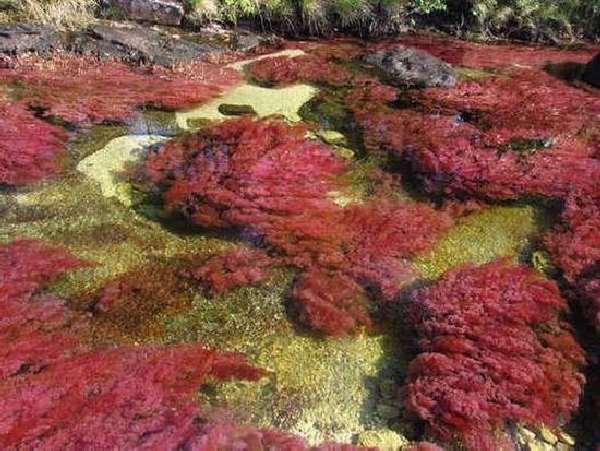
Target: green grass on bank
(527,19)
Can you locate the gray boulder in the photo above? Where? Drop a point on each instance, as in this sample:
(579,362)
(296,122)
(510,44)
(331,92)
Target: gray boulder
(138,45)
(162,12)
(592,71)
(410,67)
(19,39)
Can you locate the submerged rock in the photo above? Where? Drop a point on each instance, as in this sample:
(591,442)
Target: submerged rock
(234,109)
(104,165)
(139,45)
(163,12)
(412,67)
(20,39)
(592,71)
(265,101)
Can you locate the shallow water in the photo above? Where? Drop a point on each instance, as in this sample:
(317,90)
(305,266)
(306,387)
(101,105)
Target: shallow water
(343,388)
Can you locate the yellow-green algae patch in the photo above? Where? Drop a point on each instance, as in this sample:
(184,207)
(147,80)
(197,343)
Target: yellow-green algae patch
(73,213)
(105,165)
(498,231)
(321,389)
(265,101)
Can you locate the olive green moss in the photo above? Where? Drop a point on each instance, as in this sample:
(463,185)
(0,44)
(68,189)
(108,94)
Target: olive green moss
(498,231)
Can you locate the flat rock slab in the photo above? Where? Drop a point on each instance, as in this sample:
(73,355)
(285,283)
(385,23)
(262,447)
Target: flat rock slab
(592,72)
(20,39)
(162,12)
(138,45)
(410,67)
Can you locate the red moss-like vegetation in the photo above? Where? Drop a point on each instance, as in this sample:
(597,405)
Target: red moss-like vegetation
(575,248)
(482,56)
(500,138)
(493,350)
(266,180)
(58,393)
(233,269)
(84,91)
(29,147)
(283,70)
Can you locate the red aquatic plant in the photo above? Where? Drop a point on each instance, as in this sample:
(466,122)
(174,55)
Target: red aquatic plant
(29,147)
(84,91)
(56,392)
(517,104)
(491,56)
(283,70)
(233,269)
(493,350)
(574,246)
(266,180)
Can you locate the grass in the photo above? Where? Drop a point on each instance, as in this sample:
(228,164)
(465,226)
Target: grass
(62,14)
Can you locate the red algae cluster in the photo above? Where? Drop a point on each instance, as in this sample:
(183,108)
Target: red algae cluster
(29,147)
(575,247)
(84,91)
(283,70)
(493,350)
(266,180)
(59,393)
(489,56)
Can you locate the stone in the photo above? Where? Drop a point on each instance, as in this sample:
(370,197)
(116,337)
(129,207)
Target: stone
(333,137)
(265,101)
(548,436)
(566,438)
(592,71)
(104,165)
(246,41)
(162,12)
(382,439)
(138,44)
(410,67)
(20,39)
(232,109)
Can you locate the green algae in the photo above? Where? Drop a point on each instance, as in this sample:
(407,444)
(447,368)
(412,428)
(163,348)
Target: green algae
(93,140)
(471,74)
(321,389)
(498,231)
(265,101)
(73,213)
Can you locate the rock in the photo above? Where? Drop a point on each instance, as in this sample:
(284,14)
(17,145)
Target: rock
(233,109)
(333,137)
(246,41)
(105,165)
(265,101)
(592,72)
(19,39)
(138,45)
(548,436)
(566,438)
(412,67)
(162,12)
(384,439)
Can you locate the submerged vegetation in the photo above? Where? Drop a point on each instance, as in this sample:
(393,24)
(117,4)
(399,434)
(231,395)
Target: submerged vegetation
(264,281)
